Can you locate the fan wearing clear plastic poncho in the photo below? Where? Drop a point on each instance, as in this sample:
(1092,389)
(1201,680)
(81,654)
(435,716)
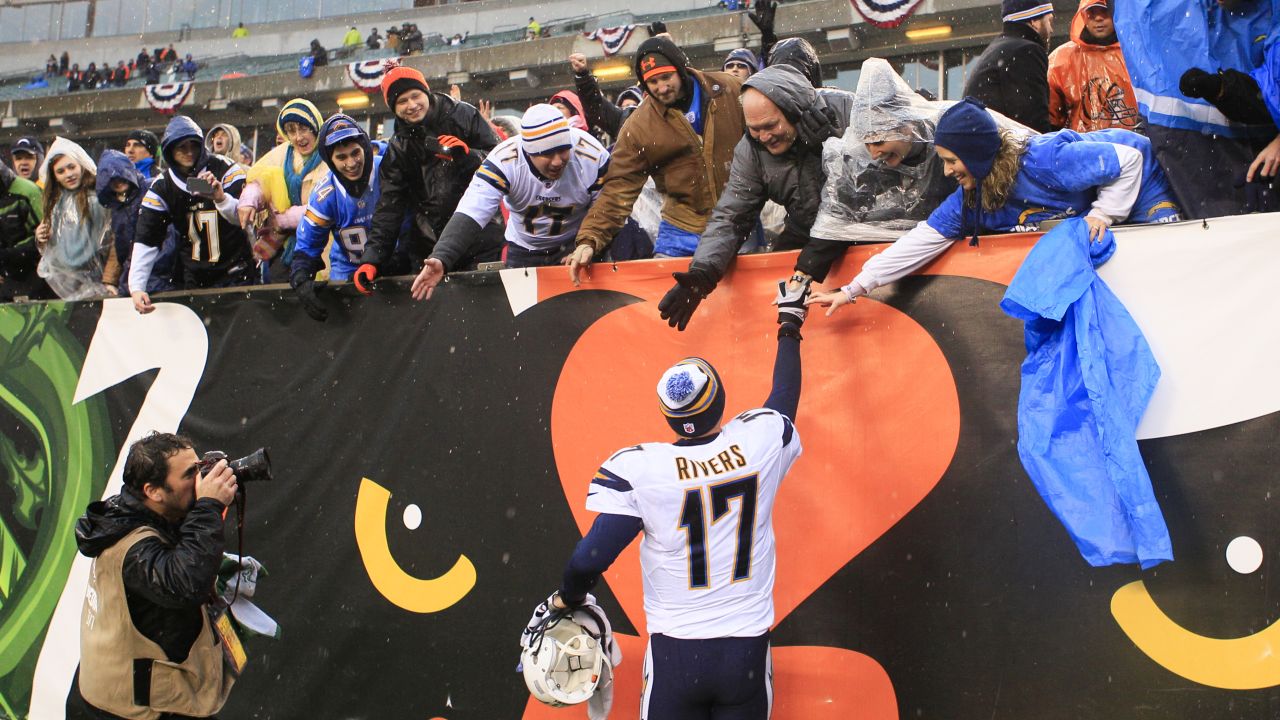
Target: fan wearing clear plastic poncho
(883,176)
(1012,183)
(779,159)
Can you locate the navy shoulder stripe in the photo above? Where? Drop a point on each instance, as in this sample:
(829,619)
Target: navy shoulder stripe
(787,430)
(610,480)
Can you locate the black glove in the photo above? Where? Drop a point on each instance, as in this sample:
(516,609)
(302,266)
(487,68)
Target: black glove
(677,306)
(763,14)
(816,124)
(1196,83)
(790,302)
(304,284)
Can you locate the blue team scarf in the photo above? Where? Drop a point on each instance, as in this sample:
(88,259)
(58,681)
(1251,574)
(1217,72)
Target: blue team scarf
(694,116)
(293,180)
(144,166)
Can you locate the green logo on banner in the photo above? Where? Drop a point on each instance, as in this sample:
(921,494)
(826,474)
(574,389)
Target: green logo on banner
(54,459)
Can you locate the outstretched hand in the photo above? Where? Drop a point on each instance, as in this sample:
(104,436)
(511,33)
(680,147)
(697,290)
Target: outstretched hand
(579,262)
(427,280)
(833,300)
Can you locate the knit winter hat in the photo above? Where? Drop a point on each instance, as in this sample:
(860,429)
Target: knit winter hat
(969,131)
(301,111)
(744,56)
(544,129)
(655,63)
(634,92)
(147,139)
(399,80)
(1023,10)
(691,397)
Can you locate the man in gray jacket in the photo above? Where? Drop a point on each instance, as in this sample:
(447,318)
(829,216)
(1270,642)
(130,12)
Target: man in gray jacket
(780,159)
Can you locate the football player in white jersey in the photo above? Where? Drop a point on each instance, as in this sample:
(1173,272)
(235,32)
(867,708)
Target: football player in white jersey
(548,176)
(704,504)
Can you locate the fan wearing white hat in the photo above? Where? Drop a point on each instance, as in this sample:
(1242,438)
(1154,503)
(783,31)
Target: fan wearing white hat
(703,505)
(548,176)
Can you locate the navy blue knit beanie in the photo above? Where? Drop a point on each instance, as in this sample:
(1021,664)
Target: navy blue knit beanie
(969,131)
(744,56)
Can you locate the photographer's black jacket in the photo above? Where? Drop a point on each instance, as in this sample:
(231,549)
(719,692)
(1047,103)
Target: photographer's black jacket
(166,581)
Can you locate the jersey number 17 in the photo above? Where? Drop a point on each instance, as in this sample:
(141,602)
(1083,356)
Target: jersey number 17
(693,521)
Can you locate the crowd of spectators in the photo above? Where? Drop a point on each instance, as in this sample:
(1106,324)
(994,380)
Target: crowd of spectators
(689,163)
(162,63)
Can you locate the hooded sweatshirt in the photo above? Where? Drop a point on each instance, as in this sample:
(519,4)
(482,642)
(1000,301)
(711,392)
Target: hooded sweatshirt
(1089,86)
(114,165)
(798,53)
(793,179)
(212,246)
(579,117)
(235,140)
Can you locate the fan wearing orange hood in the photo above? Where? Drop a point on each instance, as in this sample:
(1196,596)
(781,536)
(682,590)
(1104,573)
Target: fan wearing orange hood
(1089,87)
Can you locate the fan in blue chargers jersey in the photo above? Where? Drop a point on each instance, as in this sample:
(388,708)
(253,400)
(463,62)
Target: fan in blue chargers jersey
(704,505)
(548,176)
(341,207)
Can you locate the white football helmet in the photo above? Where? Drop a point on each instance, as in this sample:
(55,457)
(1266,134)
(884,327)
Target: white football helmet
(563,662)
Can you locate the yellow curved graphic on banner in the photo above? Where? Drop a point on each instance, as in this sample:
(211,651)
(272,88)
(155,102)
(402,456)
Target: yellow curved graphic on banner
(1246,663)
(402,589)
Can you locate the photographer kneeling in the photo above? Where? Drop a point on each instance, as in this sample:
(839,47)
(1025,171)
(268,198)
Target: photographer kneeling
(148,647)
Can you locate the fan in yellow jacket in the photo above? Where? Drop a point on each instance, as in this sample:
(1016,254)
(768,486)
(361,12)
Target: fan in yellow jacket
(280,182)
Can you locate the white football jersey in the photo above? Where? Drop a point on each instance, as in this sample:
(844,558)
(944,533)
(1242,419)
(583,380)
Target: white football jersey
(544,214)
(708,549)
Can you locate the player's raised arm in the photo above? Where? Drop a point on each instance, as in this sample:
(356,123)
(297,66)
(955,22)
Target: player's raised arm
(785,397)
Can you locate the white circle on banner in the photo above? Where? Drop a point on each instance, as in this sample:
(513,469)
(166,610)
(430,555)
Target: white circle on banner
(412,516)
(1244,555)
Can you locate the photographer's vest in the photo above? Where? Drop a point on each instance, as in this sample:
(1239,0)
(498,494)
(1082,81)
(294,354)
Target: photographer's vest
(116,659)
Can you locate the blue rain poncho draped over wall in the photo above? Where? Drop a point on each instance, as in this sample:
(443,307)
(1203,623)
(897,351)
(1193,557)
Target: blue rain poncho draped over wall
(1085,384)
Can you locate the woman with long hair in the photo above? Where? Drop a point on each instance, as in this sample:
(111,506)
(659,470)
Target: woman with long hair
(77,257)
(1012,183)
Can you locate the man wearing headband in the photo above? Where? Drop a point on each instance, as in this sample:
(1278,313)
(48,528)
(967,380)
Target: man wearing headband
(704,505)
(438,145)
(682,135)
(1012,74)
(548,176)
(340,209)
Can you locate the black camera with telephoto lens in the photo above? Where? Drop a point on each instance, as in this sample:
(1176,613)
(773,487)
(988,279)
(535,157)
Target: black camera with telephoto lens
(254,467)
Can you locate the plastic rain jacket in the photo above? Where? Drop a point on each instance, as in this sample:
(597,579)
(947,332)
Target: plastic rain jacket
(865,199)
(1089,87)
(1088,376)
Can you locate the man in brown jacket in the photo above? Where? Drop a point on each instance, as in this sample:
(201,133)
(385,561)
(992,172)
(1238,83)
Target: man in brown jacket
(682,135)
